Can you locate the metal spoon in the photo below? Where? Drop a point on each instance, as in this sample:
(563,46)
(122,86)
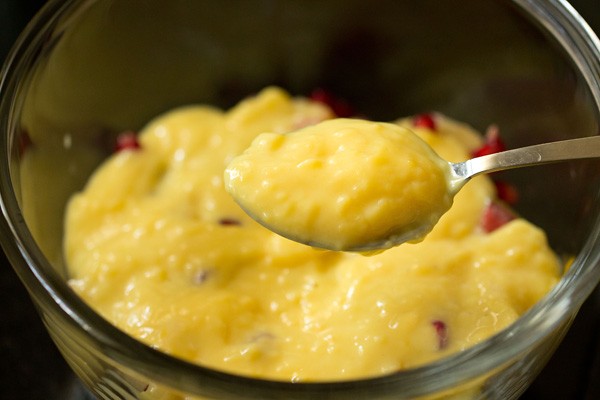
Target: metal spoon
(587,147)
(458,174)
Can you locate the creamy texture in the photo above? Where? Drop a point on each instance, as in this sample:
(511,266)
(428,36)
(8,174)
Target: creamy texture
(342,184)
(156,245)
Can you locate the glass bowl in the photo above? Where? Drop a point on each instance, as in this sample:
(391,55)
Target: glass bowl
(85,70)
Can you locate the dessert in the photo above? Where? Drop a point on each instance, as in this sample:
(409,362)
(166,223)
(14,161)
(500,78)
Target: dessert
(156,245)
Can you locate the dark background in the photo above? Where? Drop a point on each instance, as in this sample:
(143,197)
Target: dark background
(31,368)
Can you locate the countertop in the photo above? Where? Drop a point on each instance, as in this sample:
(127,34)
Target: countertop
(31,367)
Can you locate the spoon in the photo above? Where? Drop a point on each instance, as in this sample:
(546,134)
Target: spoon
(250,181)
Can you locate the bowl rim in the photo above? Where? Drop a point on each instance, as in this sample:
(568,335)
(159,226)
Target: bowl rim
(44,284)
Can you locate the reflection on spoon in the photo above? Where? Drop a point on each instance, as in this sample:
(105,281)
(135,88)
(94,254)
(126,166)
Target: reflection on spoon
(356,185)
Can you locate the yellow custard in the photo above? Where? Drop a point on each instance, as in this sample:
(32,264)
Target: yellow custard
(156,245)
(342,183)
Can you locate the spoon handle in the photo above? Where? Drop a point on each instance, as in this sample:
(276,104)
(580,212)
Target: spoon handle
(587,147)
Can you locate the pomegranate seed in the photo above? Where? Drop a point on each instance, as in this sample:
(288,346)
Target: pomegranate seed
(340,107)
(24,142)
(229,221)
(441,331)
(493,143)
(127,141)
(506,192)
(495,215)
(424,121)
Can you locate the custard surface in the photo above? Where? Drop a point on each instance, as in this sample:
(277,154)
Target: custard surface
(156,245)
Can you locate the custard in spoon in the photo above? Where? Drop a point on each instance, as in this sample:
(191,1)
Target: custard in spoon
(343,184)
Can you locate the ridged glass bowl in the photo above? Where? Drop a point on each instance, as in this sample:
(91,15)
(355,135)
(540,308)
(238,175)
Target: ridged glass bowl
(84,70)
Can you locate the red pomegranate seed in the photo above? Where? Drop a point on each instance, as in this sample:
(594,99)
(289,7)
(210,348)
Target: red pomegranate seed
(493,143)
(496,215)
(226,221)
(426,121)
(24,142)
(340,107)
(127,141)
(441,330)
(506,192)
